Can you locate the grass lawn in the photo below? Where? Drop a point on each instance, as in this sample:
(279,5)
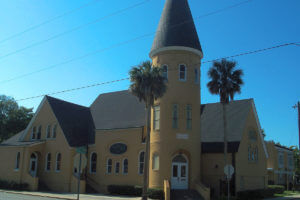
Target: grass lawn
(287,193)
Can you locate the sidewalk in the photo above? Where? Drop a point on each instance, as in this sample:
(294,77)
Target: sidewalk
(69,196)
(285,198)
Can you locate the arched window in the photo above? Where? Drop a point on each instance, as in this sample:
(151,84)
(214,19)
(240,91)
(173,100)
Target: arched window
(48,134)
(141,162)
(109,166)
(125,166)
(93,163)
(48,162)
(17,166)
(33,133)
(39,133)
(165,72)
(182,72)
(155,162)
(54,131)
(58,162)
(117,168)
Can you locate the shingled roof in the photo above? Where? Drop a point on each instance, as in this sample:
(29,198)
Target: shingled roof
(75,120)
(176,27)
(15,141)
(118,110)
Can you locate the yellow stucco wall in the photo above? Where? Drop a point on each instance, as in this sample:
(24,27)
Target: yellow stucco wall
(103,140)
(164,142)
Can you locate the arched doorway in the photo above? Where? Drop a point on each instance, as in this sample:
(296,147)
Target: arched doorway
(33,164)
(179,177)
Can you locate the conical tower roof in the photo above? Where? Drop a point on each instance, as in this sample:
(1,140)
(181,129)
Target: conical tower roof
(176,29)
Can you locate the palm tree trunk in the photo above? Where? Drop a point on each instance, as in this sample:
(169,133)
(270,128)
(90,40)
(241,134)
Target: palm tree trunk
(147,152)
(225,146)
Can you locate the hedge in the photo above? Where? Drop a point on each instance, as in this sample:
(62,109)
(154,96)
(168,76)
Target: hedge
(260,193)
(12,185)
(131,190)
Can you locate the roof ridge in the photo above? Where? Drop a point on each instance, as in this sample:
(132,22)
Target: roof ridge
(60,100)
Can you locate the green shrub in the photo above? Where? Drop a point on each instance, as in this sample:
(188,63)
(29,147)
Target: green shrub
(155,193)
(11,185)
(255,194)
(131,190)
(278,189)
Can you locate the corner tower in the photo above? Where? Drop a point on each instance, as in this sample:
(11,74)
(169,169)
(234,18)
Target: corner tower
(175,144)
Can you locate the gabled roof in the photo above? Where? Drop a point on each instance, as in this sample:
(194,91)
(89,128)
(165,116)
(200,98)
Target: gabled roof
(212,129)
(15,141)
(75,120)
(176,27)
(118,110)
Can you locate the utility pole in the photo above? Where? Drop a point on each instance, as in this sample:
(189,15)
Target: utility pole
(295,107)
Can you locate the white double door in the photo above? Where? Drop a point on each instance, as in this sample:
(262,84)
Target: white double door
(179,179)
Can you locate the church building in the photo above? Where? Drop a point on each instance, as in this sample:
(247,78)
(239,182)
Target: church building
(187,137)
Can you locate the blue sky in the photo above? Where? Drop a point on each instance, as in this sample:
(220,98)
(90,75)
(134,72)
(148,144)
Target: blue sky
(271,77)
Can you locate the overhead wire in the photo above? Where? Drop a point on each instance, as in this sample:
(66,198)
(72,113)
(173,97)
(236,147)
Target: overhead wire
(118,44)
(33,27)
(123,79)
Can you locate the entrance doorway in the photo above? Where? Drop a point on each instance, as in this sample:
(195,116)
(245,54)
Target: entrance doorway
(33,164)
(179,178)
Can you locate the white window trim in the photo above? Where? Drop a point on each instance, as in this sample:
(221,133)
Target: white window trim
(46,163)
(56,170)
(108,165)
(91,162)
(185,73)
(140,162)
(117,173)
(167,71)
(124,165)
(17,162)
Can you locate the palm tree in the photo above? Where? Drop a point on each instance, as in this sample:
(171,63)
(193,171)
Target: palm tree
(226,82)
(148,84)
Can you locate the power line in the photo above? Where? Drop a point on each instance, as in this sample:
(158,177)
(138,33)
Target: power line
(73,89)
(73,29)
(116,45)
(209,61)
(33,27)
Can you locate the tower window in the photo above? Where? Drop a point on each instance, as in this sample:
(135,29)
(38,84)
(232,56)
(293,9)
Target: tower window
(189,117)
(182,72)
(156,117)
(165,72)
(175,116)
(196,71)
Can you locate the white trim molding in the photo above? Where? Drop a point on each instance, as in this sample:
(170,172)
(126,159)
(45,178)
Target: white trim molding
(176,48)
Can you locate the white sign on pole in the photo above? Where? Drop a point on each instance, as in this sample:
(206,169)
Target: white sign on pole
(229,170)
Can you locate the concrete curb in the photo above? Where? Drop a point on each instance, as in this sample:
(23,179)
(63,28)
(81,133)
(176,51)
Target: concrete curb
(37,195)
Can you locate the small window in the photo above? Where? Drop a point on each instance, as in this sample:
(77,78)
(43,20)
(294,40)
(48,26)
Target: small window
(117,168)
(125,166)
(156,117)
(189,117)
(58,162)
(109,166)
(54,131)
(165,72)
(48,134)
(141,162)
(33,133)
(39,133)
(182,72)
(175,116)
(196,71)
(155,162)
(17,166)
(48,162)
(93,163)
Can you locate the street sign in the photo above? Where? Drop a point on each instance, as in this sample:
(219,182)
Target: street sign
(82,150)
(229,170)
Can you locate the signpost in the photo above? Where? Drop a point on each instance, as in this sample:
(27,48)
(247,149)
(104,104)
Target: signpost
(80,150)
(229,171)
